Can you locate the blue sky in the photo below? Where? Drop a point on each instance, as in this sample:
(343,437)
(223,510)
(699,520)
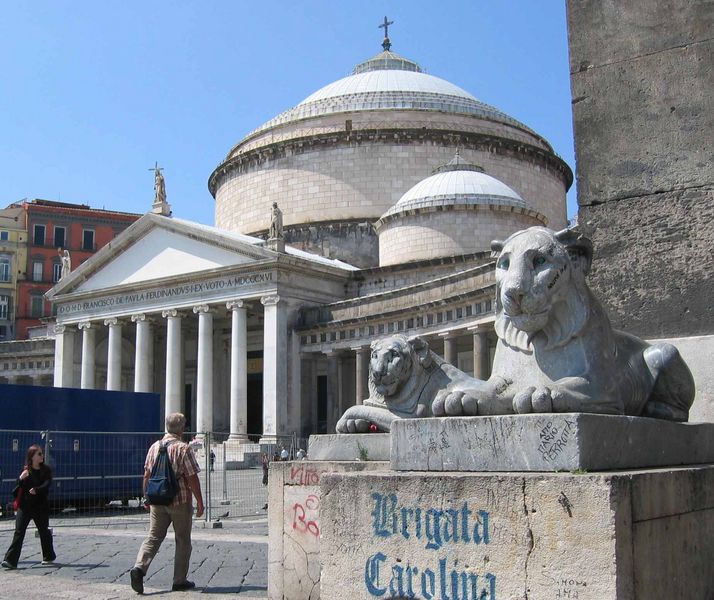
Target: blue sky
(93,93)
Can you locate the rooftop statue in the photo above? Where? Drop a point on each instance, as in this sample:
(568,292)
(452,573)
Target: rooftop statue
(159,186)
(405,376)
(66,260)
(276,223)
(557,351)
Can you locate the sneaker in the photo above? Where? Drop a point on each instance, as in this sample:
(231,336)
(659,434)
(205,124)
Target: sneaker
(183,587)
(8,565)
(137,580)
(48,561)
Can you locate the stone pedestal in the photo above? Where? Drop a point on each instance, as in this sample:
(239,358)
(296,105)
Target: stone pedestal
(577,529)
(294,525)
(453,536)
(548,442)
(349,446)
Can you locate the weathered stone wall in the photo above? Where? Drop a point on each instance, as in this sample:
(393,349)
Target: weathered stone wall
(643,108)
(624,536)
(294,525)
(448,233)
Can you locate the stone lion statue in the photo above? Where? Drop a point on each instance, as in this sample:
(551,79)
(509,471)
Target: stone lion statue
(557,351)
(404,378)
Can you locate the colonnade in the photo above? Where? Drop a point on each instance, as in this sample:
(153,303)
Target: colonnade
(274,370)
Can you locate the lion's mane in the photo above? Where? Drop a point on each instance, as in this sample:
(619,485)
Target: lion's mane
(412,375)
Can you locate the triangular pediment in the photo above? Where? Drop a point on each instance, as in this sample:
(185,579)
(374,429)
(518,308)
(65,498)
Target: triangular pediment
(158,247)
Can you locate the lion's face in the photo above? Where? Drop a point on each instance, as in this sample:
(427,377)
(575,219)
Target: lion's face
(531,272)
(390,364)
(537,283)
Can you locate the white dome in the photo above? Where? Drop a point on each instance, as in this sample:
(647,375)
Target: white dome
(400,82)
(457,184)
(389,81)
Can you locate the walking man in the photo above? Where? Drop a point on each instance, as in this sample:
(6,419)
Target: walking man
(178,513)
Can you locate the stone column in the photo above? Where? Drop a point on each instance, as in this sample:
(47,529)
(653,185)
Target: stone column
(333,390)
(481,358)
(143,359)
(204,379)
(361,373)
(114,355)
(173,396)
(88,363)
(64,356)
(239,371)
(274,368)
(450,355)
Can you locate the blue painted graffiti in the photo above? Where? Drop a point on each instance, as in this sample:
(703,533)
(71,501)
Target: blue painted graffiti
(437,527)
(415,582)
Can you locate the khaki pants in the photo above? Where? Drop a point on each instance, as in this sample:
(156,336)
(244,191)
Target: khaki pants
(161,517)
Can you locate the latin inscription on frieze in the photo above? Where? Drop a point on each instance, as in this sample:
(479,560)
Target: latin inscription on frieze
(167,295)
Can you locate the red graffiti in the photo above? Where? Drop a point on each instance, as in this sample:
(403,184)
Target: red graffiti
(301,522)
(305,476)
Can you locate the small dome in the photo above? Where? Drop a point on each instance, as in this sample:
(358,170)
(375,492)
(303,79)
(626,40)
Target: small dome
(456,183)
(457,210)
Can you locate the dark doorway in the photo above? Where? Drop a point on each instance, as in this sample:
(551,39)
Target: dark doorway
(255,406)
(188,407)
(322,404)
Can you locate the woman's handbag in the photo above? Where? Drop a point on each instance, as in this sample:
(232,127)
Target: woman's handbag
(17,495)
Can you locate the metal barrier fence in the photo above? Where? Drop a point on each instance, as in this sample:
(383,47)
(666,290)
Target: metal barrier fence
(99,475)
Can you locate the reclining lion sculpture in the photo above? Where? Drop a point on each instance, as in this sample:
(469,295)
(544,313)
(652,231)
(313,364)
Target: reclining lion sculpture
(557,351)
(404,378)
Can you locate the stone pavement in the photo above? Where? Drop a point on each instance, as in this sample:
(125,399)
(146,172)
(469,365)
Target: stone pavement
(94,558)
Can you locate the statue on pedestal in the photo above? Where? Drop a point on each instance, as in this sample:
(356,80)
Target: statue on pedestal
(66,263)
(159,186)
(405,376)
(275,232)
(556,350)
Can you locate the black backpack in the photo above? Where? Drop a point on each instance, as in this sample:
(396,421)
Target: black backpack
(162,486)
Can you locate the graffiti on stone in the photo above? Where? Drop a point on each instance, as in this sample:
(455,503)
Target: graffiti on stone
(439,529)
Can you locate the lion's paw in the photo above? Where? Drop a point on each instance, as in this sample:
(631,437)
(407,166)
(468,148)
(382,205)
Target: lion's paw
(533,400)
(352,422)
(454,403)
(358,426)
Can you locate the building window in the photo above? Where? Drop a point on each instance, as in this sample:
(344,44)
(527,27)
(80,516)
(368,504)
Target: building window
(36,271)
(56,272)
(4,269)
(59,237)
(38,238)
(488,306)
(37,307)
(4,307)
(87,239)
(4,236)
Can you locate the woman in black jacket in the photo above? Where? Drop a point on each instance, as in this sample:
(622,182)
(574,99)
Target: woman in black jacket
(33,485)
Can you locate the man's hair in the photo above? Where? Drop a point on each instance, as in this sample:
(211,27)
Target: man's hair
(175,423)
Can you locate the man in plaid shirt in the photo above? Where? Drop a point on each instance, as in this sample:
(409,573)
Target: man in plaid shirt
(178,513)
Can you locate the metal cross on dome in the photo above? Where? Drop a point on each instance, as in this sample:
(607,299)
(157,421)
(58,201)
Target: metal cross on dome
(386,44)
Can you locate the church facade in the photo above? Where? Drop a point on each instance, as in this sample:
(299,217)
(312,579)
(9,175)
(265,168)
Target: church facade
(390,185)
